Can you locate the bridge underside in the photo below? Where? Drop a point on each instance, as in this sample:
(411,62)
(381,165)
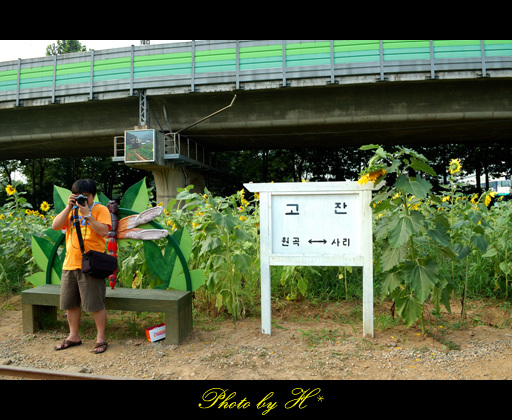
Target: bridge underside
(330,116)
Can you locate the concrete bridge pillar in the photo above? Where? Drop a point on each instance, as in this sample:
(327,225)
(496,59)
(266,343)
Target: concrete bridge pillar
(169,179)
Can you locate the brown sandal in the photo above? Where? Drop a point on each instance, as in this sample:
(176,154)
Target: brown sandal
(66,344)
(100,347)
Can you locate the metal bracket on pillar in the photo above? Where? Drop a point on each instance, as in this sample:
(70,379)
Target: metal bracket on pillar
(143,109)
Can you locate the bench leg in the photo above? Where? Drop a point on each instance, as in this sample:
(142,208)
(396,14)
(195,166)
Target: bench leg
(178,322)
(172,333)
(35,316)
(176,328)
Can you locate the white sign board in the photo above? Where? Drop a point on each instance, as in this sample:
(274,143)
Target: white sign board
(319,223)
(316,224)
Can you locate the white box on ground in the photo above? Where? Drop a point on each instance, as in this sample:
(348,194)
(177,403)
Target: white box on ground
(155,333)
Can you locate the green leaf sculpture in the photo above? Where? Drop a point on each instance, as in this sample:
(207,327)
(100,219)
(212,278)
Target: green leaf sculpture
(60,198)
(46,257)
(136,197)
(170,266)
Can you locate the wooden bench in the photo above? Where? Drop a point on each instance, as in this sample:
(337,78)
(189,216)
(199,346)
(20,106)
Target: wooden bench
(42,302)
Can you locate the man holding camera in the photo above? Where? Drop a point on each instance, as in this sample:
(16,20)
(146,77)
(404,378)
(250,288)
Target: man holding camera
(77,289)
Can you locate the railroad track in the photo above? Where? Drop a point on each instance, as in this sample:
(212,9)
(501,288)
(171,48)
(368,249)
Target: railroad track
(32,373)
(140,157)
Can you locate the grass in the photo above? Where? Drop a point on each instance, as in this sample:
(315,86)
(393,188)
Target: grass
(316,337)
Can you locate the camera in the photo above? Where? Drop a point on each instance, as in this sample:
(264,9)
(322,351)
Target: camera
(81,199)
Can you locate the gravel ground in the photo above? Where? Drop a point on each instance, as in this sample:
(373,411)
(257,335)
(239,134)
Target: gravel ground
(307,342)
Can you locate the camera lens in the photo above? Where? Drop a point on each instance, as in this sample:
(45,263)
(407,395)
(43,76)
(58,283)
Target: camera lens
(81,199)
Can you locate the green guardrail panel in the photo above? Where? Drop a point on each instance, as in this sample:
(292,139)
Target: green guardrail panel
(266,56)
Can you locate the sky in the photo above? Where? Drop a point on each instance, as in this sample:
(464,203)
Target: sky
(14,49)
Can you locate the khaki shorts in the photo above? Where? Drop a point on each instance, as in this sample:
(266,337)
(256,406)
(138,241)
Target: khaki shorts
(78,289)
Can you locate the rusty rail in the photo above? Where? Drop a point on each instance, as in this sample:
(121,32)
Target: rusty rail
(32,373)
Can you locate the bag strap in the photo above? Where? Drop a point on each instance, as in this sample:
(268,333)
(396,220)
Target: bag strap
(79,232)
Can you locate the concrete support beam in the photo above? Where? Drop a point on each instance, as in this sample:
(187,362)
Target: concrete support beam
(169,179)
(329,116)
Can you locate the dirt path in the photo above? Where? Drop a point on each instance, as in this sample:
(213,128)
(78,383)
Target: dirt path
(308,342)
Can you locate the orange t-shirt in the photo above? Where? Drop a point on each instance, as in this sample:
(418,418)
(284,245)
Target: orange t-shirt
(90,238)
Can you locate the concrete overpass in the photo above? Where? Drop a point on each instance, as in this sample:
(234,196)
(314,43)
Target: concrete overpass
(288,94)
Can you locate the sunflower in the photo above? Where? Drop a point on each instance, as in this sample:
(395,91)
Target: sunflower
(371,174)
(363,180)
(489,197)
(45,206)
(454,166)
(10,190)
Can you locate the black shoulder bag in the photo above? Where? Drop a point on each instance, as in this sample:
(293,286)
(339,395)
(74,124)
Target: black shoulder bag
(94,263)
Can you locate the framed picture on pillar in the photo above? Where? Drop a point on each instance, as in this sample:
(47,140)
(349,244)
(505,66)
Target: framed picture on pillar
(139,146)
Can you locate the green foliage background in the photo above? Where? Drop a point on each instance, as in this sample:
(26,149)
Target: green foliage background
(431,245)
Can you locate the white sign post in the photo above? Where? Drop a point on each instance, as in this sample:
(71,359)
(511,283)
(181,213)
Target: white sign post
(316,224)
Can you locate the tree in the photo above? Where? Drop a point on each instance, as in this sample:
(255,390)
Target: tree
(7,169)
(65,47)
